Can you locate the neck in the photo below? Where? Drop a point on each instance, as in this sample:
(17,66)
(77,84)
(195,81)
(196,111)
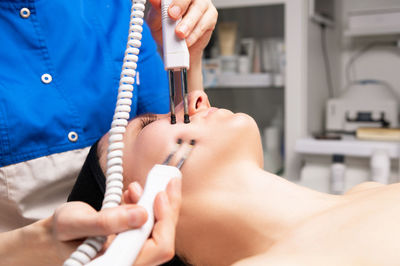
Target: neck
(242,211)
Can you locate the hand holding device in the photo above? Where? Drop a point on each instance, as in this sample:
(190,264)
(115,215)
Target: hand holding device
(125,248)
(176,58)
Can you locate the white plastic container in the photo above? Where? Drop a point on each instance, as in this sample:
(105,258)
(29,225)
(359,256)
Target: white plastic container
(272,154)
(380,166)
(338,175)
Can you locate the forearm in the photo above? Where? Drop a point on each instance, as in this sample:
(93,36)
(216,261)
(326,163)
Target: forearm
(194,77)
(195,74)
(29,245)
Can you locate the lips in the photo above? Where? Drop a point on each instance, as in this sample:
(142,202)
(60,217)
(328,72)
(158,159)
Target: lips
(205,113)
(210,111)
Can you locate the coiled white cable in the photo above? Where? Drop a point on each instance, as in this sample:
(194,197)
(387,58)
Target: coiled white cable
(112,198)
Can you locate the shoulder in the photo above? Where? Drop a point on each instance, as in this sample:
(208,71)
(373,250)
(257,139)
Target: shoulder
(283,260)
(363,187)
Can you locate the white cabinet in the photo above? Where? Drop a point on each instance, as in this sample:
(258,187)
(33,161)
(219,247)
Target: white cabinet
(293,96)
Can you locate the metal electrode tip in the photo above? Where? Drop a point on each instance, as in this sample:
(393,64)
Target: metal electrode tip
(172,96)
(174,150)
(186,119)
(186,154)
(184,95)
(173,119)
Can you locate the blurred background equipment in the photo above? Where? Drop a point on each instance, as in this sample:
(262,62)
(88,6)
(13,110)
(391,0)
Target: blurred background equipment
(365,103)
(333,87)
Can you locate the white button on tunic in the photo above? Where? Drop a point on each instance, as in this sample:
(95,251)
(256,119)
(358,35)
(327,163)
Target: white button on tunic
(73,136)
(46,78)
(25,12)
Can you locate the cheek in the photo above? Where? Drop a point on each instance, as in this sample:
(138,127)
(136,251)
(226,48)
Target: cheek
(229,139)
(151,146)
(141,157)
(245,137)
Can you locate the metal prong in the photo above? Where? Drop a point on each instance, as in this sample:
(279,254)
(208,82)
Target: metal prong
(186,155)
(174,150)
(172,95)
(184,95)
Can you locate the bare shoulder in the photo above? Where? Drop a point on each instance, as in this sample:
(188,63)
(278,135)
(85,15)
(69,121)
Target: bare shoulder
(366,186)
(366,218)
(265,259)
(289,259)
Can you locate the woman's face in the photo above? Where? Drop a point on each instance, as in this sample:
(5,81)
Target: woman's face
(221,138)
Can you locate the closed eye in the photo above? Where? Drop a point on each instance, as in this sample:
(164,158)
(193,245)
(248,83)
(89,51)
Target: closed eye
(147,119)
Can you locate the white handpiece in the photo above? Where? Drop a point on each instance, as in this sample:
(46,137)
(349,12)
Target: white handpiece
(127,245)
(176,53)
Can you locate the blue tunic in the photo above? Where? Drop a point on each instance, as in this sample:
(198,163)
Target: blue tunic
(60,62)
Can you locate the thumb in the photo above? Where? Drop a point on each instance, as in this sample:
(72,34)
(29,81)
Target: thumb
(75,220)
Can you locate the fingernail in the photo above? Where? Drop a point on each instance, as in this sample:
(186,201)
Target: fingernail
(137,188)
(135,217)
(183,29)
(175,11)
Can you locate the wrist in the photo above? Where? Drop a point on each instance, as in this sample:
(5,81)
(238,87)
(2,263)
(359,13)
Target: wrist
(41,243)
(195,75)
(196,58)
(29,245)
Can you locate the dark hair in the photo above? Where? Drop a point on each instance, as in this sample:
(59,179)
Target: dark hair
(90,185)
(177,261)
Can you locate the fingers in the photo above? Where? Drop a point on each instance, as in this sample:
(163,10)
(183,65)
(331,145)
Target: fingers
(75,220)
(174,192)
(191,18)
(199,18)
(133,193)
(178,8)
(203,29)
(161,246)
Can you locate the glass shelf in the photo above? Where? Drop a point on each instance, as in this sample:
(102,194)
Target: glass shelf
(349,146)
(245,3)
(234,80)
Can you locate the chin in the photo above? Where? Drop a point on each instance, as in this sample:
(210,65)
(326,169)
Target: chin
(235,137)
(250,136)
(246,122)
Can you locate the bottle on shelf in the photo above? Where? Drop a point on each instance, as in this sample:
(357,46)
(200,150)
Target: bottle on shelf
(380,166)
(272,152)
(243,61)
(338,174)
(273,161)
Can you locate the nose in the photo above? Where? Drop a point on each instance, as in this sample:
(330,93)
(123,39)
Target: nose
(197,102)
